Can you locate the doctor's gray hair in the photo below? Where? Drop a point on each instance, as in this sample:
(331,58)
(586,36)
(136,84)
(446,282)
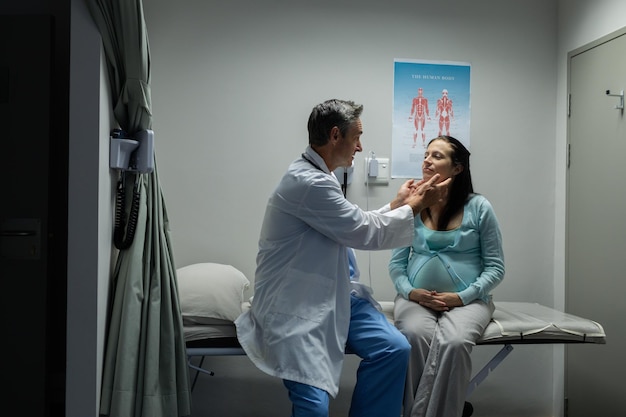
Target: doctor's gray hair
(331,113)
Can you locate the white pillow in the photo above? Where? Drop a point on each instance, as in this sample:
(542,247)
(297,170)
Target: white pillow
(210,291)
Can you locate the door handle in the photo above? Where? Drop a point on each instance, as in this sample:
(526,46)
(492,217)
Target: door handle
(17,233)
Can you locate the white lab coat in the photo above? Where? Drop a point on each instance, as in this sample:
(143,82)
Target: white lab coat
(298,324)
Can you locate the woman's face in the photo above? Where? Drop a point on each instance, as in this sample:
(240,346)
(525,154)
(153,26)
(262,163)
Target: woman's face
(438,160)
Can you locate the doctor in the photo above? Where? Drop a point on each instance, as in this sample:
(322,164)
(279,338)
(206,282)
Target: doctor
(297,328)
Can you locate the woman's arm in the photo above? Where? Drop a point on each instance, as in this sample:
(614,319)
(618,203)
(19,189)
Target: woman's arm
(491,253)
(398,270)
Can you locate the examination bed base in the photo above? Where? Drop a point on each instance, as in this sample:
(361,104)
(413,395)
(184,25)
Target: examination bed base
(512,323)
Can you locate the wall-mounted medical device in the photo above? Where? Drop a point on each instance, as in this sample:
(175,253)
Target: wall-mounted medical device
(376,170)
(132,153)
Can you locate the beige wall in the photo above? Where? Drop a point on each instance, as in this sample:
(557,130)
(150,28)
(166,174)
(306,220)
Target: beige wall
(230,111)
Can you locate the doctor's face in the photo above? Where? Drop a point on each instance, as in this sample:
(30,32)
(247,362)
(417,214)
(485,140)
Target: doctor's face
(349,144)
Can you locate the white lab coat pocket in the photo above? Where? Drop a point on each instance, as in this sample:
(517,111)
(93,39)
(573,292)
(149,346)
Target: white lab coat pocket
(306,295)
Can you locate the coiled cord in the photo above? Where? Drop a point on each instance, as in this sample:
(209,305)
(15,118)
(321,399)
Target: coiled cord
(123,236)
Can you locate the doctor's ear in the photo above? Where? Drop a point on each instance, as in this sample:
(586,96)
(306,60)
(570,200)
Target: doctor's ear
(335,133)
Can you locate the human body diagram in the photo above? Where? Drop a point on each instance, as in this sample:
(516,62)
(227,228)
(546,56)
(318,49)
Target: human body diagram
(419,113)
(444,113)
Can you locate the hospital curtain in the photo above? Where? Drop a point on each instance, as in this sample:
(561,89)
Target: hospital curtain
(145,370)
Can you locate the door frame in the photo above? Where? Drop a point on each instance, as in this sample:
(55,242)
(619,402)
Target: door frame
(604,39)
(566,290)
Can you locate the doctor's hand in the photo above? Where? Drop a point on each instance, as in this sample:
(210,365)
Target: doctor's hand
(426,193)
(403,193)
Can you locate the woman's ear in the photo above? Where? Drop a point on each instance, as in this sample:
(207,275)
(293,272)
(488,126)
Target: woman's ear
(458,168)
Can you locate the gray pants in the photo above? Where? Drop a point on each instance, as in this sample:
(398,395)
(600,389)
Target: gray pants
(440,365)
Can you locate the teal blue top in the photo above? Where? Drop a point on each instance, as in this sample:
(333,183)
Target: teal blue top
(468,260)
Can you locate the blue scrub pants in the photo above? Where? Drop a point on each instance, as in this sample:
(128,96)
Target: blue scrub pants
(380,378)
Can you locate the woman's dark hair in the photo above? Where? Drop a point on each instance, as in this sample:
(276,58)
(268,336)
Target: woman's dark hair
(331,113)
(461,187)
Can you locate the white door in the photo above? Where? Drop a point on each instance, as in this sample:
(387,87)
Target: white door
(596,226)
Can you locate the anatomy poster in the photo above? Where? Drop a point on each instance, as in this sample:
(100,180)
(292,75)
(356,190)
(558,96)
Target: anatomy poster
(429,99)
